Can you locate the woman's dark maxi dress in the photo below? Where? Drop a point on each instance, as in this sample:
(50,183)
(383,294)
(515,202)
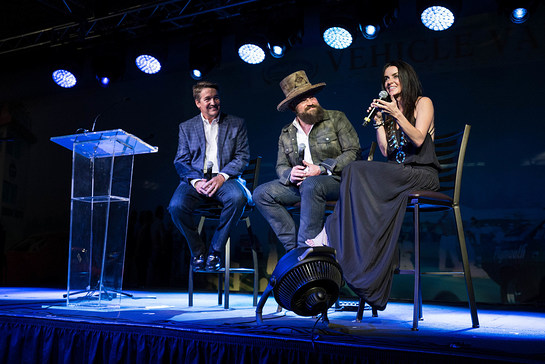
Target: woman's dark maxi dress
(365,226)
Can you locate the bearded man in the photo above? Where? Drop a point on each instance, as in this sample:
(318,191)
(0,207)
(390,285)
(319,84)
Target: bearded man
(312,152)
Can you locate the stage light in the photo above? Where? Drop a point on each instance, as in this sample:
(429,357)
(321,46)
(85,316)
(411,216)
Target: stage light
(306,281)
(375,19)
(519,15)
(277,51)
(64,78)
(337,37)
(369,31)
(103,80)
(338,25)
(196,74)
(437,18)
(251,53)
(204,55)
(518,11)
(108,66)
(148,64)
(279,39)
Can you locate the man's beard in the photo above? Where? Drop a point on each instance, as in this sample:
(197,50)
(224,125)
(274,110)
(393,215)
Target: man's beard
(312,114)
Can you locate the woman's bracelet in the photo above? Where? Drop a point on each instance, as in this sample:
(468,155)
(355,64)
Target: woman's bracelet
(378,125)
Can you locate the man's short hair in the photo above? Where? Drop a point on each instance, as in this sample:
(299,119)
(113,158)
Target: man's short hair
(199,86)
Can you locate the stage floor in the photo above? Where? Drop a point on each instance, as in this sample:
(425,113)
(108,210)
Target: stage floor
(504,335)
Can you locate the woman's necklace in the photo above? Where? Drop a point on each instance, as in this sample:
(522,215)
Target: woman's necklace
(397,145)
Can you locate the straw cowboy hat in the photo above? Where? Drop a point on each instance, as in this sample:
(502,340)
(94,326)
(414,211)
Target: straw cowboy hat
(295,86)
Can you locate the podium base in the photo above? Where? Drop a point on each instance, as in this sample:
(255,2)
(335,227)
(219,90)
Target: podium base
(104,293)
(101,298)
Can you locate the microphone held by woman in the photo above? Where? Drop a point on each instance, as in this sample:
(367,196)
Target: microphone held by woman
(383,95)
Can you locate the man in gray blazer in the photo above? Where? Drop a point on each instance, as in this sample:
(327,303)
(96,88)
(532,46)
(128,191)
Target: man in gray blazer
(213,151)
(312,151)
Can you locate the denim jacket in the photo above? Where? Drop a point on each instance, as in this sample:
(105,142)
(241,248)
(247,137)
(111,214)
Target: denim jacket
(333,144)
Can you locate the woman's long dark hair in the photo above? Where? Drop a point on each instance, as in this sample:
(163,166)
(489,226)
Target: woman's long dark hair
(411,87)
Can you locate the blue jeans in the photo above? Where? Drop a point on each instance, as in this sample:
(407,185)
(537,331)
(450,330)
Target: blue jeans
(186,199)
(272,197)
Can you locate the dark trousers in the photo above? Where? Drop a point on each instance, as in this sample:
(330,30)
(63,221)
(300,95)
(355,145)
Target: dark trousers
(186,199)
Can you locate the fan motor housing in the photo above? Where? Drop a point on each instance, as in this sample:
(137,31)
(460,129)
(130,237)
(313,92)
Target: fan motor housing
(307,280)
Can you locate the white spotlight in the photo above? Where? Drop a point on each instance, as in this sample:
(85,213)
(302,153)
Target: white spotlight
(251,53)
(337,37)
(64,78)
(148,64)
(437,18)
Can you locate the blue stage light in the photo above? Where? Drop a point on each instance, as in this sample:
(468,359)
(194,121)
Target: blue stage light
(104,81)
(369,31)
(64,78)
(196,74)
(277,51)
(337,37)
(437,18)
(148,64)
(251,53)
(519,15)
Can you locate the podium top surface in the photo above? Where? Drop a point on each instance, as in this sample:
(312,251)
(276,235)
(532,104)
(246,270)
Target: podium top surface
(107,143)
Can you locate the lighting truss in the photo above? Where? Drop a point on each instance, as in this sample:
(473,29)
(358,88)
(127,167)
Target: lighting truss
(170,15)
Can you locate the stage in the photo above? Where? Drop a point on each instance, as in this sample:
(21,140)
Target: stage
(152,327)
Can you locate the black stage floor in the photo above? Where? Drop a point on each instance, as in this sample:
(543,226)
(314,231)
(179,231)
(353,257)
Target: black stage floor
(445,335)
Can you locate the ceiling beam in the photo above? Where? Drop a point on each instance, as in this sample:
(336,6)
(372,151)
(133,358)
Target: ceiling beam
(171,14)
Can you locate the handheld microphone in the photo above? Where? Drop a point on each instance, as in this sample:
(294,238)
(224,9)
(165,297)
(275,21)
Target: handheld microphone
(108,108)
(383,95)
(301,152)
(208,173)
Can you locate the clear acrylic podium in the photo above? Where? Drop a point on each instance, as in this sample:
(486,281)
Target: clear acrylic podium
(102,166)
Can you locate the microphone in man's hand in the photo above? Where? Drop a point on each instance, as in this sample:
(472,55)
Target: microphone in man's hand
(208,173)
(301,153)
(383,95)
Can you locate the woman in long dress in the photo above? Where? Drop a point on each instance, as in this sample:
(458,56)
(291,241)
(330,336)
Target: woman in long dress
(366,223)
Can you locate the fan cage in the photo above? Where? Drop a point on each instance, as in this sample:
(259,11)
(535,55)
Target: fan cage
(292,292)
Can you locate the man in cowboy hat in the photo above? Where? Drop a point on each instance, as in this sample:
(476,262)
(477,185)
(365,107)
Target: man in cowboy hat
(213,151)
(312,151)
